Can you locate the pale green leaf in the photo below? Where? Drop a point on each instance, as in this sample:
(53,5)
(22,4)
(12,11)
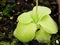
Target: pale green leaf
(42,36)
(26,29)
(25,17)
(48,24)
(42,11)
(24,32)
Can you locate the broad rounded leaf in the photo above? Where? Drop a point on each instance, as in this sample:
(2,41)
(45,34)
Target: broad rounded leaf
(25,17)
(42,36)
(30,21)
(48,24)
(24,32)
(41,11)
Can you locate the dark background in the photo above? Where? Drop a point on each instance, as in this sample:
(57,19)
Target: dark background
(11,9)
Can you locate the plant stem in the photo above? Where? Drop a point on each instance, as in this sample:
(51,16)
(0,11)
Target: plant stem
(36,6)
(36,10)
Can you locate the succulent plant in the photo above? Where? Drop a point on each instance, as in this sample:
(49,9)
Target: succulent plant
(30,22)
(27,26)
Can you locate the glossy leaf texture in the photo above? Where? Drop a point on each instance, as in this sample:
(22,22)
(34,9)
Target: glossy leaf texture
(27,26)
(48,24)
(25,17)
(42,11)
(25,33)
(42,36)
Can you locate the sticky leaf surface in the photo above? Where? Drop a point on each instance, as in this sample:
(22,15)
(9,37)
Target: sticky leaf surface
(25,17)
(48,24)
(42,36)
(25,33)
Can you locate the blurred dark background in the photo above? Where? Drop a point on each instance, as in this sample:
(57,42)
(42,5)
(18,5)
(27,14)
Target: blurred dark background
(11,9)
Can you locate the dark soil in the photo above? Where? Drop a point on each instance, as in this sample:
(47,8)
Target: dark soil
(11,9)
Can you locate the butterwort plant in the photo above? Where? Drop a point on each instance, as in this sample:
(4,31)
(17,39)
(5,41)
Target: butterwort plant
(29,23)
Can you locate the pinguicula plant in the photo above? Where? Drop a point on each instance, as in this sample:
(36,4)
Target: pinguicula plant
(30,22)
